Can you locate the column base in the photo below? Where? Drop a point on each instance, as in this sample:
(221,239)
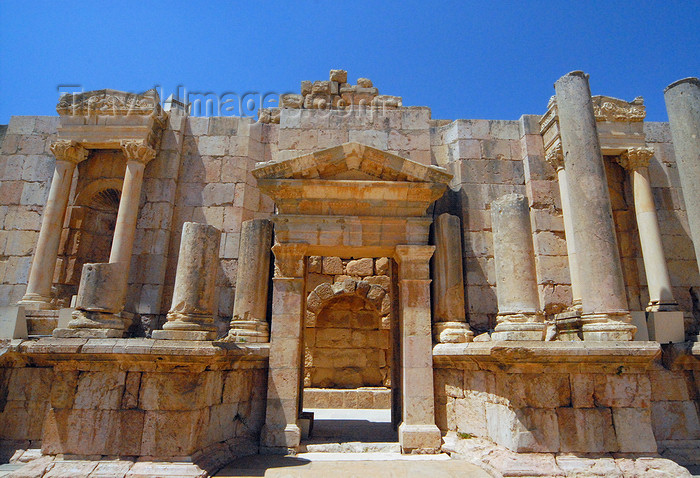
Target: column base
(277,439)
(248,331)
(607,327)
(452,332)
(420,438)
(183,335)
(94,324)
(32,301)
(518,327)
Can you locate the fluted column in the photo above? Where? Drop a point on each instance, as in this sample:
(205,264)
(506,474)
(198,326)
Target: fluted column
(417,431)
(249,318)
(284,374)
(636,161)
(449,317)
(518,317)
(556,159)
(68,154)
(191,316)
(605,312)
(683,106)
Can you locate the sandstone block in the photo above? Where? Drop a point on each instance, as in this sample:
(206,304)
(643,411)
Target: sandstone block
(633,430)
(586,430)
(332,265)
(306,87)
(675,420)
(340,76)
(100,390)
(291,101)
(360,267)
(625,390)
(382,265)
(364,83)
(173,433)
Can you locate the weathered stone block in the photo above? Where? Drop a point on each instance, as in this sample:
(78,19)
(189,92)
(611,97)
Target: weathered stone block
(360,267)
(633,430)
(624,390)
(586,430)
(675,420)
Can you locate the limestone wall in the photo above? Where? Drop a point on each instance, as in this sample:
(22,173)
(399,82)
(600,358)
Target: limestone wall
(108,397)
(534,405)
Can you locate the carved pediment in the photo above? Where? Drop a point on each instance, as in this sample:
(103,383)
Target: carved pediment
(352,161)
(109,102)
(352,180)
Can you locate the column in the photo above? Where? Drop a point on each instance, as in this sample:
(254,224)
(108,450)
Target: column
(191,315)
(518,317)
(636,161)
(68,154)
(281,431)
(249,318)
(417,431)
(449,317)
(556,159)
(101,299)
(683,106)
(605,313)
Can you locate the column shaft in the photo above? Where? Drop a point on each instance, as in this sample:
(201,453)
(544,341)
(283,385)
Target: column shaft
(683,106)
(418,430)
(449,317)
(68,154)
(249,318)
(125,228)
(284,374)
(605,313)
(191,315)
(570,239)
(516,278)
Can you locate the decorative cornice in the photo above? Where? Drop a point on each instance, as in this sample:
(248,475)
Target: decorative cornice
(137,151)
(635,158)
(66,150)
(555,156)
(607,108)
(110,103)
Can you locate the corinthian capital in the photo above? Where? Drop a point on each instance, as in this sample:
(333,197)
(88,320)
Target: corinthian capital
(555,156)
(65,150)
(635,158)
(135,150)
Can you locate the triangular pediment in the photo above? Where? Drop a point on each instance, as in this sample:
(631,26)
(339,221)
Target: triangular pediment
(352,161)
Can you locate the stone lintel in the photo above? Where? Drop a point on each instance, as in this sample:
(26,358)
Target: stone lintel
(136,354)
(351,236)
(602,357)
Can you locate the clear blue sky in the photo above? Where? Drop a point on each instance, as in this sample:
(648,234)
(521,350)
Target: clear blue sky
(481,59)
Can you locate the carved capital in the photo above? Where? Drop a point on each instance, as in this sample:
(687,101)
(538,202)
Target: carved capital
(555,157)
(65,150)
(635,158)
(138,151)
(414,261)
(289,259)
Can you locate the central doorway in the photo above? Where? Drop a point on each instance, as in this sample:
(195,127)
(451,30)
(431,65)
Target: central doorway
(350,357)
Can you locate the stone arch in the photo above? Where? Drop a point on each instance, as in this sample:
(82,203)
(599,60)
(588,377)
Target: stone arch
(92,194)
(347,342)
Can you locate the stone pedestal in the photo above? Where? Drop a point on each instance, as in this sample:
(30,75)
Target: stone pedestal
(683,106)
(68,155)
(249,318)
(605,313)
(417,431)
(191,315)
(516,279)
(98,305)
(449,317)
(636,161)
(281,431)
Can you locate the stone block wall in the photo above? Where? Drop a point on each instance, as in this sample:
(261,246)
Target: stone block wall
(126,406)
(557,409)
(347,340)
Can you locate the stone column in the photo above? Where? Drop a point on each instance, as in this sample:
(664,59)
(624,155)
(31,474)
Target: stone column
(683,106)
(249,318)
(284,374)
(636,161)
(556,159)
(191,315)
(417,431)
(100,301)
(449,317)
(68,154)
(605,313)
(519,317)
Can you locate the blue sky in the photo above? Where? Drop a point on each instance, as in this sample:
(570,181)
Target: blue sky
(482,59)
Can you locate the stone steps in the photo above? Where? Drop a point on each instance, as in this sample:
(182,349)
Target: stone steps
(349,447)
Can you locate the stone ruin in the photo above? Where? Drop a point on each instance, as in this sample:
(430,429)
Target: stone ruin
(178,288)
